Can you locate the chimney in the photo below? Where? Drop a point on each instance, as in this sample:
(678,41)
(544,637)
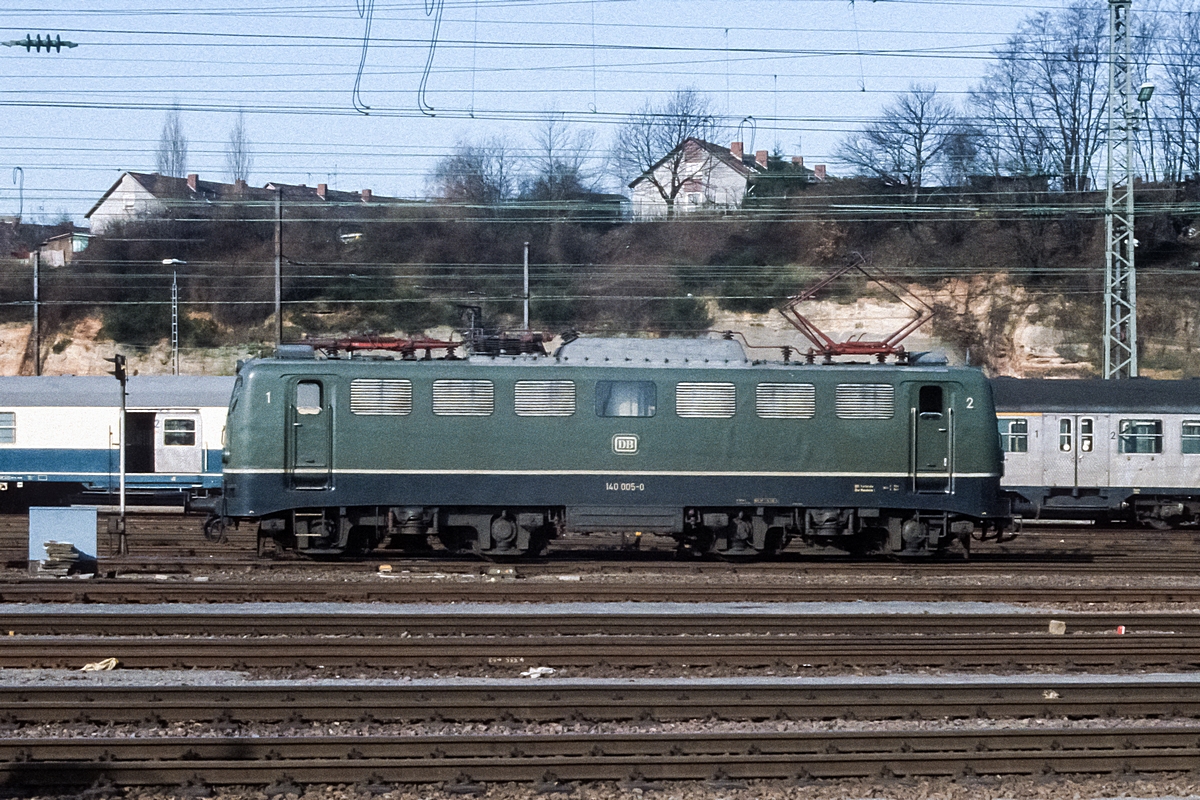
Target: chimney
(322,189)
(366,195)
(239,186)
(819,172)
(798,161)
(193,179)
(761,157)
(736,149)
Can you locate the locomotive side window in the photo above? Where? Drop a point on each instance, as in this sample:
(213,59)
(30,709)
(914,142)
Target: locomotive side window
(785,400)
(1190,443)
(1087,431)
(179,432)
(380,397)
(929,402)
(1014,435)
(626,398)
(544,398)
(1064,435)
(1139,436)
(8,427)
(308,397)
(458,398)
(705,400)
(865,401)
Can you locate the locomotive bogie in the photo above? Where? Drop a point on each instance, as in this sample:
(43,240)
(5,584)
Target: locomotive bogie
(502,455)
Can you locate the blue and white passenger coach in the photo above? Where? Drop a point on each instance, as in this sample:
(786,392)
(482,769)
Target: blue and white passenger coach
(60,439)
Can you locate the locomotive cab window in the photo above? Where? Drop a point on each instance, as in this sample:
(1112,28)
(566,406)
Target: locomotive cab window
(1014,435)
(179,432)
(8,427)
(308,397)
(626,398)
(1190,442)
(929,402)
(1140,436)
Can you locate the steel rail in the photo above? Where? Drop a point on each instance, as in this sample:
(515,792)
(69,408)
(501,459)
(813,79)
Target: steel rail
(451,589)
(1008,651)
(623,620)
(570,757)
(556,700)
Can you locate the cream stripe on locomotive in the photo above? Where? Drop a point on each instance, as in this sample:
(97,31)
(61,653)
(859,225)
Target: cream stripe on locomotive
(674,473)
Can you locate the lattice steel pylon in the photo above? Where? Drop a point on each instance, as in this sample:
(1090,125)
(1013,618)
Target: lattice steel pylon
(1120,278)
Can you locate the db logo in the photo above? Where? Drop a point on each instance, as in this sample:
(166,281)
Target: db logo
(625,444)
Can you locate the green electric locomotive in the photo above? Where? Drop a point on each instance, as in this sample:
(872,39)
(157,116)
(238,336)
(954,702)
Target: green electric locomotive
(685,438)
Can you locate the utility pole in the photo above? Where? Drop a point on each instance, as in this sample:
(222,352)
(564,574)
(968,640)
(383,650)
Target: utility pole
(174,322)
(1120,278)
(525,326)
(278,266)
(36,257)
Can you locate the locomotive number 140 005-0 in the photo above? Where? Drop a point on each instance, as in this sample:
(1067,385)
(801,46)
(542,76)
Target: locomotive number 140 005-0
(622,486)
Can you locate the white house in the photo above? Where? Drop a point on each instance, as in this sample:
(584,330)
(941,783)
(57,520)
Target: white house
(696,175)
(140,195)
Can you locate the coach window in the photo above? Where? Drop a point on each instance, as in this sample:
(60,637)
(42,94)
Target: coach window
(1014,435)
(179,432)
(308,397)
(1087,432)
(1191,437)
(626,398)
(1139,436)
(1064,435)
(8,427)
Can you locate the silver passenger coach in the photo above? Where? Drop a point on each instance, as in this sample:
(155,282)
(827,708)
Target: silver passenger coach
(1124,450)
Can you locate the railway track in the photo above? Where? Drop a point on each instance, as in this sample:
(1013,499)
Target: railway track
(1005,652)
(875,584)
(552,760)
(613,620)
(561,699)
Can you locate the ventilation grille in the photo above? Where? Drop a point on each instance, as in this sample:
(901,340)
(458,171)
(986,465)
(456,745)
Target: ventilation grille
(709,400)
(866,401)
(544,398)
(453,398)
(786,400)
(380,398)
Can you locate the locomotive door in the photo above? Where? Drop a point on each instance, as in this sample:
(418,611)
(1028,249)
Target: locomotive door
(310,435)
(1075,451)
(932,449)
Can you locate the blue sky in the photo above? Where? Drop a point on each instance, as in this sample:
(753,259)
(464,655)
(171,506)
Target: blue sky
(805,71)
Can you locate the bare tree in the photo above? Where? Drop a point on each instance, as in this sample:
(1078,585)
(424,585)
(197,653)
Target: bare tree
(904,146)
(1177,102)
(238,157)
(558,170)
(651,145)
(172,146)
(1044,100)
(479,174)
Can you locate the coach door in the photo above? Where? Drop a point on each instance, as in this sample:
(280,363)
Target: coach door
(932,449)
(310,434)
(178,445)
(1074,450)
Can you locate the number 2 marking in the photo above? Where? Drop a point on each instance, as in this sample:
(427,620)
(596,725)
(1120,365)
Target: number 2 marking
(970,402)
